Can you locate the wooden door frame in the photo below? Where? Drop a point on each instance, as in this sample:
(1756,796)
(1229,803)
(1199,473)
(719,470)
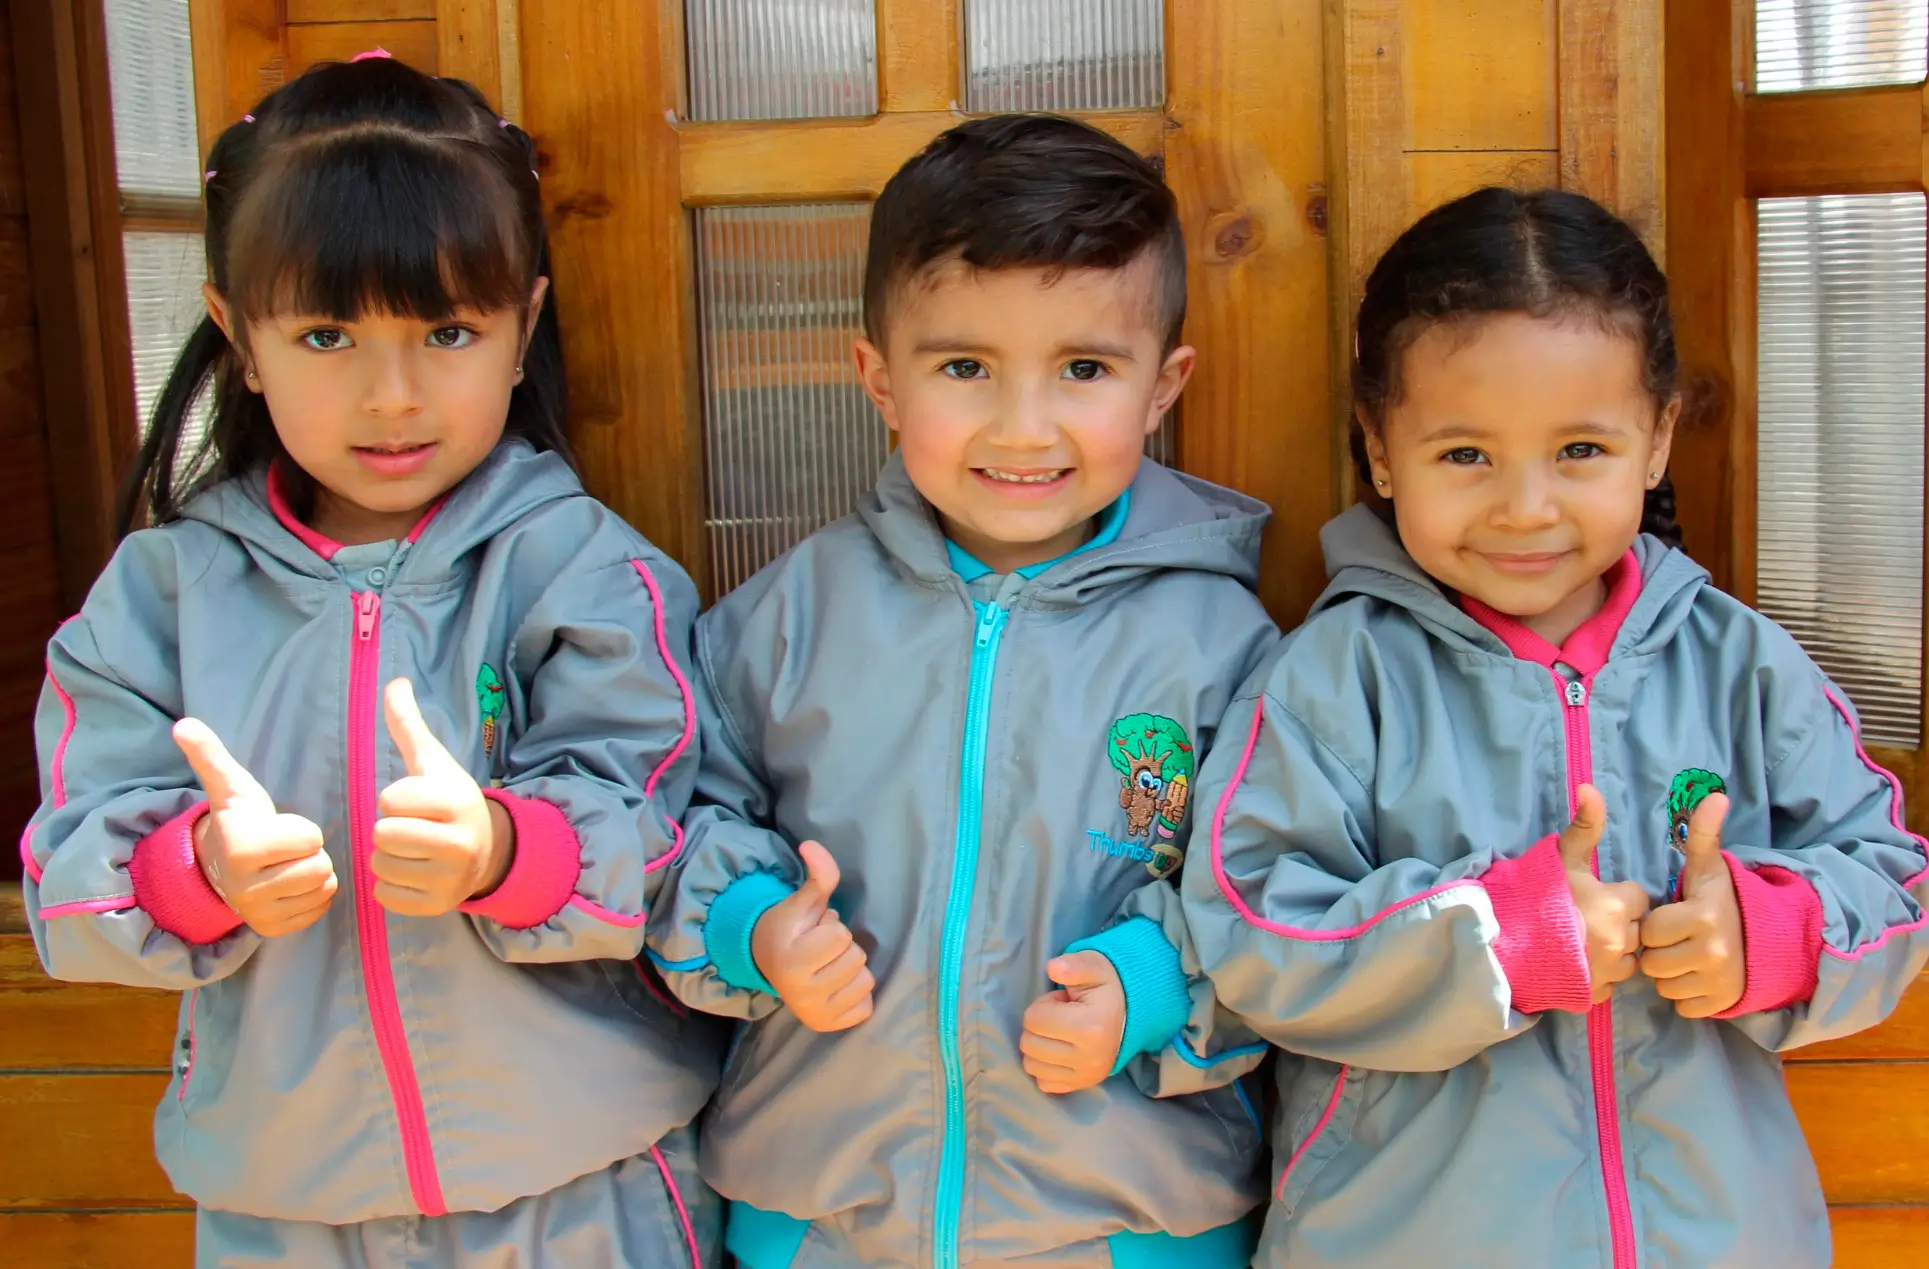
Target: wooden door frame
(79,276)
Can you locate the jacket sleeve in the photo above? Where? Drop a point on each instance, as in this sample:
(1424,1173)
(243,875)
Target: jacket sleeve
(114,892)
(598,769)
(1178,1038)
(734,870)
(1323,948)
(1833,906)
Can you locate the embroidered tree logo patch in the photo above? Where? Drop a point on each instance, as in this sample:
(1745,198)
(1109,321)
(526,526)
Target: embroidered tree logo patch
(1153,756)
(1687,791)
(491,698)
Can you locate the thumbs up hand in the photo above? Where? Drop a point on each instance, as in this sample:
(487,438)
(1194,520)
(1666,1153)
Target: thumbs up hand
(1694,946)
(1071,1037)
(270,868)
(1611,915)
(439,842)
(808,954)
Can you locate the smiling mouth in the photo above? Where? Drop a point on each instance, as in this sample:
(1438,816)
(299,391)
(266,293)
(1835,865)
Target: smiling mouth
(394,449)
(1023,477)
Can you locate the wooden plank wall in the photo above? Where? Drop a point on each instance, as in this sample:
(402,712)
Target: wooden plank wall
(29,568)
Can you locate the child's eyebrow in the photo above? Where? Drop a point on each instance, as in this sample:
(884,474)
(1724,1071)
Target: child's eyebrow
(1116,352)
(959,347)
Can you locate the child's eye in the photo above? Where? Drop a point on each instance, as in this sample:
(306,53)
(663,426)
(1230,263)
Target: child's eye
(1085,370)
(326,339)
(1582,449)
(1465,456)
(965,368)
(451,337)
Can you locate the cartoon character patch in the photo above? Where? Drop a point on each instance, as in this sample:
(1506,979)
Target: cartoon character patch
(491,698)
(1687,791)
(1154,759)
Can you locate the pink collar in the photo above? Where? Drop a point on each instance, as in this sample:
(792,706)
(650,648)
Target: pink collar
(1587,648)
(321,545)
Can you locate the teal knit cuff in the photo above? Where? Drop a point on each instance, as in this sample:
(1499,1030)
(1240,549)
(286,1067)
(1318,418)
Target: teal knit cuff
(733,918)
(1157,1000)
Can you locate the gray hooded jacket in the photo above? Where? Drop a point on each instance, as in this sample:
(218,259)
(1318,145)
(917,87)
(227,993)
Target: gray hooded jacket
(376,1065)
(996,781)
(1382,896)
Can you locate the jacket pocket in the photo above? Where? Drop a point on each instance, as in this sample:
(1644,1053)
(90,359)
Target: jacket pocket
(1322,1107)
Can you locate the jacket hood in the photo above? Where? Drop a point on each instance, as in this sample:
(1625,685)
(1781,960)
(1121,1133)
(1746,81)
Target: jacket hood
(511,482)
(1172,521)
(1364,556)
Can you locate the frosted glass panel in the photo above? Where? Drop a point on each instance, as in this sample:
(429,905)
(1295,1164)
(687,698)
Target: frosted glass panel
(781,59)
(1840,461)
(1064,54)
(164,305)
(1803,44)
(791,440)
(151,74)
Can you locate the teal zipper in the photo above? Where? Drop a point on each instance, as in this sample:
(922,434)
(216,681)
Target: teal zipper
(957,916)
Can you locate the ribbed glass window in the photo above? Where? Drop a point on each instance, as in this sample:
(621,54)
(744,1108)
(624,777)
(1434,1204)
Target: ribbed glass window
(157,161)
(1807,44)
(790,438)
(1840,444)
(781,59)
(1064,54)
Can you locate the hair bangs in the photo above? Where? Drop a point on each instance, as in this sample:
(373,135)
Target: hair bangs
(380,222)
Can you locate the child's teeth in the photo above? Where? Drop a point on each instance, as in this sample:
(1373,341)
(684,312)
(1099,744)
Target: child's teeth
(1042,478)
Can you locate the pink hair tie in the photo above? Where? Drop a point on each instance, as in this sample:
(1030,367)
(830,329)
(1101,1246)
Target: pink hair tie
(377,52)
(247,118)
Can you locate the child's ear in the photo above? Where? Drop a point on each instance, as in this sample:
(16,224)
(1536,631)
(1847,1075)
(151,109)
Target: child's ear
(1173,375)
(223,317)
(1662,443)
(875,377)
(1376,459)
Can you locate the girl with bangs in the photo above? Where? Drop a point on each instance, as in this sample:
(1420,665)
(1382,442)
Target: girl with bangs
(373,742)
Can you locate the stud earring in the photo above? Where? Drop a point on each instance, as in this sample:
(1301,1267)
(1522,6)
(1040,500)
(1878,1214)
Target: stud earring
(251,376)
(1654,475)
(1379,484)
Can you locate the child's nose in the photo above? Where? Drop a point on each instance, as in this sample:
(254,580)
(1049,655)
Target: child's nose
(1024,420)
(1527,501)
(391,389)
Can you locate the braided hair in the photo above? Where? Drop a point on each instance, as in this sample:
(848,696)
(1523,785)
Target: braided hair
(360,187)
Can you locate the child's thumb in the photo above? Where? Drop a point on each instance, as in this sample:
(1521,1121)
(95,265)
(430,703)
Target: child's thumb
(421,752)
(1579,838)
(227,783)
(1703,847)
(820,875)
(1076,970)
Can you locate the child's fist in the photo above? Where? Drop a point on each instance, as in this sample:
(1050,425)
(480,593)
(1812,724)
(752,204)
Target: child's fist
(439,842)
(1610,914)
(1071,1038)
(808,954)
(272,869)
(1695,945)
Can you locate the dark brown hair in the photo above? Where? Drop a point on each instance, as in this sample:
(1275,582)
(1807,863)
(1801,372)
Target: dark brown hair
(1025,191)
(1546,254)
(363,187)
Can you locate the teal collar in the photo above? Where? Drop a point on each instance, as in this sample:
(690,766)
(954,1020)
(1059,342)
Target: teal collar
(969,568)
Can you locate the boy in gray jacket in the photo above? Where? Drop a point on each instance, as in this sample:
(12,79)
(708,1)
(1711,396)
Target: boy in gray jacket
(986,695)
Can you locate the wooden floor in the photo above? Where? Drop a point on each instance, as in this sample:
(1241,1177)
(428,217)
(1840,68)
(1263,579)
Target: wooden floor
(81,1069)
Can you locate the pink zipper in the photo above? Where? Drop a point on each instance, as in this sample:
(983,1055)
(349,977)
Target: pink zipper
(1600,1018)
(378,978)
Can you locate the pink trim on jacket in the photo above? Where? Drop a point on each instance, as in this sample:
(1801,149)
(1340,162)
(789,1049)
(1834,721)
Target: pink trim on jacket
(542,877)
(1588,647)
(1244,909)
(83,907)
(57,774)
(1542,947)
(689,713)
(324,546)
(683,1213)
(1332,1104)
(603,914)
(170,887)
(1781,921)
(1895,818)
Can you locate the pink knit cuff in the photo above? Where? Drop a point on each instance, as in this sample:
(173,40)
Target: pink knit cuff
(1542,947)
(1781,922)
(542,876)
(170,887)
